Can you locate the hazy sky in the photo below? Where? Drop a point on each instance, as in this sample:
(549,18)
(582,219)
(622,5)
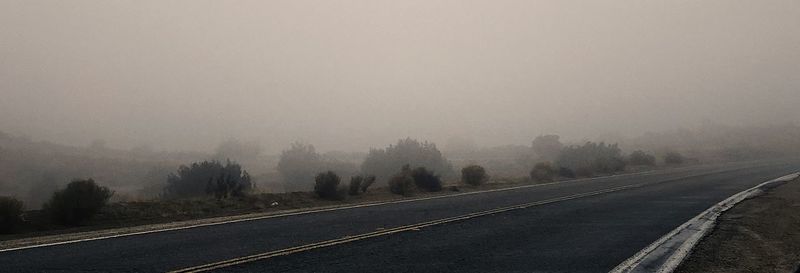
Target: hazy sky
(354,74)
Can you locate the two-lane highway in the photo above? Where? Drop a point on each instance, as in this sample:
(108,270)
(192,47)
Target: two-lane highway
(577,226)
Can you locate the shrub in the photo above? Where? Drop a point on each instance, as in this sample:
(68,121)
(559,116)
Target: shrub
(78,202)
(641,158)
(674,158)
(426,180)
(10,214)
(474,175)
(355,185)
(592,157)
(368,181)
(383,163)
(327,186)
(402,183)
(543,172)
(208,178)
(566,172)
(584,172)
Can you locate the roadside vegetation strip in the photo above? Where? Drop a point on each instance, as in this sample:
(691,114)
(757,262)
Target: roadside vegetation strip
(384,232)
(69,238)
(666,254)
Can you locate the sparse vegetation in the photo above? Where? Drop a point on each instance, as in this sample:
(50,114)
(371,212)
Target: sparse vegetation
(543,172)
(355,185)
(10,214)
(78,202)
(327,186)
(639,158)
(402,183)
(368,181)
(674,158)
(474,175)
(426,180)
(208,178)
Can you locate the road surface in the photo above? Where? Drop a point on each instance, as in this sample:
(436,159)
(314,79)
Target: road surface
(577,226)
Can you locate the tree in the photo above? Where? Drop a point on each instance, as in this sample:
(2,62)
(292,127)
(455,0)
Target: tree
(298,165)
(547,147)
(10,214)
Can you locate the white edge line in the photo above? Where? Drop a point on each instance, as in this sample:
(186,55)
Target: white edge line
(311,211)
(710,214)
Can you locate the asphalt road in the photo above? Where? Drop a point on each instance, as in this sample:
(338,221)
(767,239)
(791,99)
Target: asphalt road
(587,233)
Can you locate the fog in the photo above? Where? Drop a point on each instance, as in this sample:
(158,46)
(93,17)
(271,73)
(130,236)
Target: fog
(349,75)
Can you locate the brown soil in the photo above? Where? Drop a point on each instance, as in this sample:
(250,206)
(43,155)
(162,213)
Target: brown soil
(761,235)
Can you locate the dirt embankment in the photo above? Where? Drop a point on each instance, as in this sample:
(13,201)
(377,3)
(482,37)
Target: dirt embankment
(758,235)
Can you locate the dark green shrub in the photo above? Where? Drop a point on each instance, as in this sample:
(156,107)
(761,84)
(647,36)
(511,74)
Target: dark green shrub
(77,203)
(402,183)
(543,172)
(327,186)
(209,178)
(674,158)
(474,175)
(566,172)
(592,158)
(641,158)
(355,185)
(10,214)
(383,163)
(368,181)
(426,180)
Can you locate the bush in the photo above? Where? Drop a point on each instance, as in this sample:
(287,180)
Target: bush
(674,158)
(327,186)
(367,182)
(77,203)
(474,175)
(402,183)
(426,180)
(208,178)
(355,185)
(383,163)
(592,158)
(10,214)
(543,172)
(566,172)
(641,158)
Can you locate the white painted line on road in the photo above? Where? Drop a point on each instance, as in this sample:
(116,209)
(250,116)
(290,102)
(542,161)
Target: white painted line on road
(666,254)
(414,227)
(318,210)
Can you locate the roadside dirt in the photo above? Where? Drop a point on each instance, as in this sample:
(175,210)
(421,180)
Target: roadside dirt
(761,234)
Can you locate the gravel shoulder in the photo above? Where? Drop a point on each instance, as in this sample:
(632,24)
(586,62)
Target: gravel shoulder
(761,234)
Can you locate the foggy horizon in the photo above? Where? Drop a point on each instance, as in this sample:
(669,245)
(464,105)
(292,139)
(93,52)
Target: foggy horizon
(187,75)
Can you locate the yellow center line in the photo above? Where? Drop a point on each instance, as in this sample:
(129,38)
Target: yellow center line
(384,232)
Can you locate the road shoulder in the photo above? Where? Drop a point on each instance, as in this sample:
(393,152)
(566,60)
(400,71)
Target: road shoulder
(761,234)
